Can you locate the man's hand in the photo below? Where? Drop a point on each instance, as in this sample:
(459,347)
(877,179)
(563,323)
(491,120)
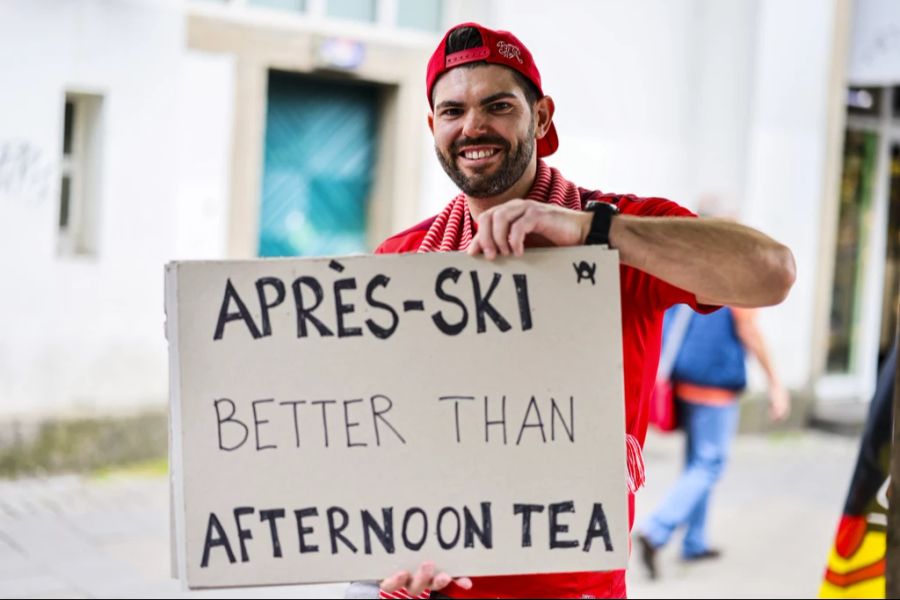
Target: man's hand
(425,578)
(503,229)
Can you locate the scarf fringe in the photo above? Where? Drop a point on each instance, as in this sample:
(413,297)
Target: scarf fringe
(634,459)
(404,595)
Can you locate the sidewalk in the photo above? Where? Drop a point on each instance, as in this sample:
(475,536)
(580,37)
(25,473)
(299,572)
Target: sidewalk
(774,516)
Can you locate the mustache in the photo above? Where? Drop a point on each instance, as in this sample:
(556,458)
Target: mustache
(482,140)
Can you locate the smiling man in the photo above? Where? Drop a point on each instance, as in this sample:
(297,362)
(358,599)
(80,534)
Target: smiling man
(492,124)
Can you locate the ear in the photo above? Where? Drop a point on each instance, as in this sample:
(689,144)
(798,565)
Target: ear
(543,116)
(431,121)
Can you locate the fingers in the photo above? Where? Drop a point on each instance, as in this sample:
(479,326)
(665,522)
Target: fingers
(494,225)
(504,229)
(395,582)
(520,229)
(464,582)
(484,240)
(779,405)
(781,412)
(441,580)
(422,579)
(504,218)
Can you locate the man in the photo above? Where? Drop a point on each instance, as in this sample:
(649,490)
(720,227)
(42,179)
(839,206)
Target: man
(492,123)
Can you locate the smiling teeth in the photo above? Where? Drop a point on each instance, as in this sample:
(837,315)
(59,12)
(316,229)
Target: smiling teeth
(474,155)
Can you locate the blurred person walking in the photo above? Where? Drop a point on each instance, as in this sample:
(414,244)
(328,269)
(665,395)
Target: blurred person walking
(708,377)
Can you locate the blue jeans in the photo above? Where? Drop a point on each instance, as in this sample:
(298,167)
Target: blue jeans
(709,430)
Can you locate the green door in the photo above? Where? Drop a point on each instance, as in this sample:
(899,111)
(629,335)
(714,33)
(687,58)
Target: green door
(319,159)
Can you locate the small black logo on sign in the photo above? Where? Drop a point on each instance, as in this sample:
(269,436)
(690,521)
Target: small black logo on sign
(586,271)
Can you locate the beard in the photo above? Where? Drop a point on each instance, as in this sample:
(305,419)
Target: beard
(488,185)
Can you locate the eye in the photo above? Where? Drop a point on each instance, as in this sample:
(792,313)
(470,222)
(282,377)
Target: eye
(500,106)
(451,112)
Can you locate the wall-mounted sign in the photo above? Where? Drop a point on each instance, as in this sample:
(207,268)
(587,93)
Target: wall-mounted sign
(340,53)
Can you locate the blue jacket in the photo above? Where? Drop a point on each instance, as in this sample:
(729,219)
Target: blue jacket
(711,353)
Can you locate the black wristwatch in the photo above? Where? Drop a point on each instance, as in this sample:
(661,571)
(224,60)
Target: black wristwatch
(604,212)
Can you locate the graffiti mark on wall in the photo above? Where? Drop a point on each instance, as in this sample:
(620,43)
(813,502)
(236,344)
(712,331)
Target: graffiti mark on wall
(885,42)
(25,173)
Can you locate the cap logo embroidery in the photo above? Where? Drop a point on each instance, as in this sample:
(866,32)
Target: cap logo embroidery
(509,51)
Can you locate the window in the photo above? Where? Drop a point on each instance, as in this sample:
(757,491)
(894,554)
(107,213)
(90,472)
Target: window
(354,10)
(292,5)
(858,179)
(426,15)
(79,189)
(892,254)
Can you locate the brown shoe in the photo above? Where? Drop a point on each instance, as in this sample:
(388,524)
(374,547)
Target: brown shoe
(648,555)
(708,554)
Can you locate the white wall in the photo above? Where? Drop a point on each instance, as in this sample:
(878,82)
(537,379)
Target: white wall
(616,71)
(875,52)
(722,90)
(204,141)
(81,333)
(787,158)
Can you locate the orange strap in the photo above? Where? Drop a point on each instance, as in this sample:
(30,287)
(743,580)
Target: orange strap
(701,394)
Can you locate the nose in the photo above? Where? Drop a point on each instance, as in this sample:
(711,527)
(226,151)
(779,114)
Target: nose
(474,124)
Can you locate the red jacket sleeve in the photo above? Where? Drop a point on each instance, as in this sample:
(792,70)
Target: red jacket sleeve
(405,241)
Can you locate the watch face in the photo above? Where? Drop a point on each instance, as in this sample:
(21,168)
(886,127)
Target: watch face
(596,205)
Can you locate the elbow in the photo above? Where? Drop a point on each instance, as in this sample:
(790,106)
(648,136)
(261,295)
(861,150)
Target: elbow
(781,275)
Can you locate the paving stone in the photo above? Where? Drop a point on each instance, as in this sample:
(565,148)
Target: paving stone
(29,586)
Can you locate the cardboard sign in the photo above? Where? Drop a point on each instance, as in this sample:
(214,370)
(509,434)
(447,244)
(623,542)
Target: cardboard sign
(340,419)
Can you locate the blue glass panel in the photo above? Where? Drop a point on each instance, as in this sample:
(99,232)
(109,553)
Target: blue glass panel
(292,5)
(355,10)
(321,138)
(427,15)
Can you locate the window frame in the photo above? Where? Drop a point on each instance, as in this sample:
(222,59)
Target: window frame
(77,235)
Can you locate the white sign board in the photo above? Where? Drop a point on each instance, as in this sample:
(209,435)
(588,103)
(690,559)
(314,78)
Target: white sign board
(340,419)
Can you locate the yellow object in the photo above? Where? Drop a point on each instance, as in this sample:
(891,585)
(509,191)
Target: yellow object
(860,575)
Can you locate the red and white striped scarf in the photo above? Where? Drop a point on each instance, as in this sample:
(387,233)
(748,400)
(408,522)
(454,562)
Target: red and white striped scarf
(453,230)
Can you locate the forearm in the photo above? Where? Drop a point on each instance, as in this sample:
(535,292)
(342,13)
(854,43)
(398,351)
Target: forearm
(721,262)
(752,340)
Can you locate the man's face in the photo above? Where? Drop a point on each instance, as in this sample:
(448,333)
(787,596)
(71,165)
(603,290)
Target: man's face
(484,129)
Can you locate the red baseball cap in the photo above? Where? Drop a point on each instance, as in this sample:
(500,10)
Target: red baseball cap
(501,48)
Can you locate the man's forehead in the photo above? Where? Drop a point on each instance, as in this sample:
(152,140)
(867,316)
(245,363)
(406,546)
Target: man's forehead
(467,83)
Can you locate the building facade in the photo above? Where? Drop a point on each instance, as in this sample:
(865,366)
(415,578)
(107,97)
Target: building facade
(136,132)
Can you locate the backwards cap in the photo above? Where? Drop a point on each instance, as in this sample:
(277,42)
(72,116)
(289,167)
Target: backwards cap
(500,48)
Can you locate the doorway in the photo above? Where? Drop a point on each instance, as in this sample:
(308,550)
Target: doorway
(320,149)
